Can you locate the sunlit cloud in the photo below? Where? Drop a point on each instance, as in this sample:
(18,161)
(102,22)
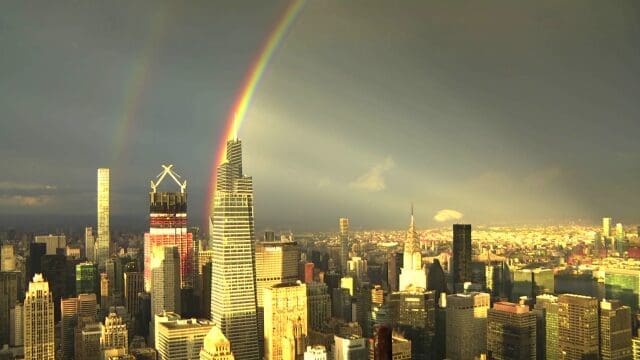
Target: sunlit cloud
(12,185)
(373,180)
(445,215)
(24,200)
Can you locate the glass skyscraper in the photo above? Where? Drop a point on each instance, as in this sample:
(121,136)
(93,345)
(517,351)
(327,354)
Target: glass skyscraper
(233,280)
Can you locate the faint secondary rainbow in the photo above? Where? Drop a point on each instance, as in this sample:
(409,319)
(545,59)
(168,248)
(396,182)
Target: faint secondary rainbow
(251,81)
(136,86)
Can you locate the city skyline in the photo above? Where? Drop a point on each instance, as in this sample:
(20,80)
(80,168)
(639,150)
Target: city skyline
(495,126)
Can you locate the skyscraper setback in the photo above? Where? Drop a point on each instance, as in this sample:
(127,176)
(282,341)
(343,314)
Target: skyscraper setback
(233,280)
(168,226)
(103,239)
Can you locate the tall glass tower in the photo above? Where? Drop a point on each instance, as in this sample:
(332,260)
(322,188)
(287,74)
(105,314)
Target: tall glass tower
(233,280)
(103,239)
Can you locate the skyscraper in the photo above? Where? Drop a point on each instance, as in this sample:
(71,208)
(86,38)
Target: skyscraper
(461,254)
(181,339)
(233,278)
(38,321)
(8,262)
(276,262)
(216,346)
(577,327)
(318,305)
(168,226)
(412,272)
(103,240)
(606,227)
(165,280)
(285,320)
(413,312)
(548,331)
(89,244)
(87,278)
(344,244)
(114,333)
(615,331)
(69,321)
(511,332)
(133,284)
(10,290)
(466,325)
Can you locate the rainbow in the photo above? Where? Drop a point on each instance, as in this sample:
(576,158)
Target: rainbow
(136,85)
(251,81)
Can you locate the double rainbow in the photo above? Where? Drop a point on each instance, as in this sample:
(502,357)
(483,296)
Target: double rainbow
(251,81)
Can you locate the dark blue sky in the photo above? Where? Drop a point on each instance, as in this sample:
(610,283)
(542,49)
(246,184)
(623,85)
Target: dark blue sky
(498,111)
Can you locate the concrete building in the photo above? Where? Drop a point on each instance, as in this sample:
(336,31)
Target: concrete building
(114,333)
(316,352)
(350,348)
(318,305)
(165,277)
(466,325)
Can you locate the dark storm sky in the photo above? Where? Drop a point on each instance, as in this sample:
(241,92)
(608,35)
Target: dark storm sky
(496,111)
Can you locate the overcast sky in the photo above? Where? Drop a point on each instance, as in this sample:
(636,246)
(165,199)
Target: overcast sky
(493,111)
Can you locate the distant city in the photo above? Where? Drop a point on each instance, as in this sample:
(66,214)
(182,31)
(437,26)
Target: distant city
(177,292)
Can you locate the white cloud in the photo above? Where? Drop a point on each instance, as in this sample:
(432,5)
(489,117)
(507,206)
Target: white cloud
(447,215)
(373,180)
(11,185)
(24,200)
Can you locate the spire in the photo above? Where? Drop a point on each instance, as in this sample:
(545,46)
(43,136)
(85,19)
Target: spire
(412,227)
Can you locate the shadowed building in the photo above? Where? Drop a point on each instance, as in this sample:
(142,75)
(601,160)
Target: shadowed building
(461,260)
(615,331)
(511,332)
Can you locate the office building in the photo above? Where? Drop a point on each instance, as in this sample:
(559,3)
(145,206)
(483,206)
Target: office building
(353,347)
(103,238)
(8,261)
(318,305)
(165,279)
(606,227)
(114,333)
(87,278)
(133,284)
(233,280)
(216,346)
(276,262)
(466,325)
(635,348)
(546,308)
(461,259)
(511,332)
(344,244)
(69,309)
(615,331)
(38,321)
(181,339)
(16,336)
(88,341)
(55,244)
(10,290)
(624,285)
(34,263)
(531,283)
(285,309)
(578,327)
(168,226)
(413,313)
(89,244)
(315,352)
(412,272)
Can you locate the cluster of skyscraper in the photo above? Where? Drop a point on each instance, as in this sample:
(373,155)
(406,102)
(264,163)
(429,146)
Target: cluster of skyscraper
(235,297)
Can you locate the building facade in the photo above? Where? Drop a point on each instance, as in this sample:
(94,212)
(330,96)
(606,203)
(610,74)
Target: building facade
(38,321)
(577,327)
(511,332)
(103,238)
(466,325)
(233,278)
